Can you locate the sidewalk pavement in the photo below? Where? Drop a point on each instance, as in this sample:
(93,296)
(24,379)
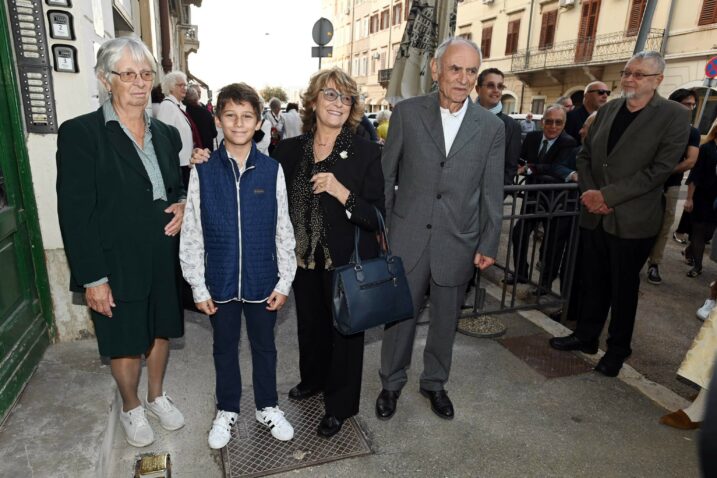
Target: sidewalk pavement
(510,420)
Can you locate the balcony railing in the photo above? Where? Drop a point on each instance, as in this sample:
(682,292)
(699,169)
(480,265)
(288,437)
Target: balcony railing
(601,49)
(384,76)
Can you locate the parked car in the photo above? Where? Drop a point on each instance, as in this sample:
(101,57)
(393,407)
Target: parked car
(372,118)
(520,118)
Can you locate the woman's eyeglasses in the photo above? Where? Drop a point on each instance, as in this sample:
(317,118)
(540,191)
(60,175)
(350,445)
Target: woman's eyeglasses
(331,95)
(130,76)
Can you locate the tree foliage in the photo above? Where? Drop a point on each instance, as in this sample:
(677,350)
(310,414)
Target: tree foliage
(269,92)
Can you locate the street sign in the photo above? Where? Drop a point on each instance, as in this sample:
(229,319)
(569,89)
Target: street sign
(711,68)
(323,31)
(322,51)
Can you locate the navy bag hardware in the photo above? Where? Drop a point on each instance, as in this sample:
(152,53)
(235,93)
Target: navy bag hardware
(373,292)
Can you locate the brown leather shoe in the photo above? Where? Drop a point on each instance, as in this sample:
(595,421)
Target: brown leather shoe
(679,420)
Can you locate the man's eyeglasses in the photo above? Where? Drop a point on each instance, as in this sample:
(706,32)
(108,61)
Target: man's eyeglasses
(552,122)
(331,95)
(689,106)
(600,92)
(636,74)
(130,76)
(493,86)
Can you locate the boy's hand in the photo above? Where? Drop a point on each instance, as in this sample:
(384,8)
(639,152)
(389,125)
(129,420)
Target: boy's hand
(207,307)
(275,301)
(199,156)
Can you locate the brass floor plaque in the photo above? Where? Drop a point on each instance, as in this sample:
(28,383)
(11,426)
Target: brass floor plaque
(252,451)
(550,363)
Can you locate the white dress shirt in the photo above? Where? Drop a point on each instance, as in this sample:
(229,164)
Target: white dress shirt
(452,123)
(170,112)
(292,124)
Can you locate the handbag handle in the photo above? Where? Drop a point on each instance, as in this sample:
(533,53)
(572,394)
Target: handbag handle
(382,233)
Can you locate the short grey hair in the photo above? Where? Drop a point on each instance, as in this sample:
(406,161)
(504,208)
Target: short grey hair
(192,95)
(441,50)
(112,51)
(652,55)
(556,107)
(274,102)
(170,81)
(563,99)
(383,115)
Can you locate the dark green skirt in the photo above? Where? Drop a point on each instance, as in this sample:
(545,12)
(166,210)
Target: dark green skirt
(135,324)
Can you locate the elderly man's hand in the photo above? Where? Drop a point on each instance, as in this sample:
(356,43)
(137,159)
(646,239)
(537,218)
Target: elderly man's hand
(99,299)
(200,155)
(175,225)
(482,262)
(594,201)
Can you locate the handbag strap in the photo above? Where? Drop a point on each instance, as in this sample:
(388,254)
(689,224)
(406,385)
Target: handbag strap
(382,232)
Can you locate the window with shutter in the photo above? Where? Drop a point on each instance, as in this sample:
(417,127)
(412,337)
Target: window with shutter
(637,11)
(708,14)
(511,41)
(547,30)
(486,35)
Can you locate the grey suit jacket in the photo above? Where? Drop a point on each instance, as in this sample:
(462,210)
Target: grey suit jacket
(447,205)
(632,176)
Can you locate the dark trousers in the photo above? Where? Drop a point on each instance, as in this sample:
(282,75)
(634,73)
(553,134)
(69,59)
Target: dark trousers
(611,281)
(260,329)
(186,171)
(700,234)
(328,361)
(555,239)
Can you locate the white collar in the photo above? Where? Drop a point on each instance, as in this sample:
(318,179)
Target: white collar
(458,114)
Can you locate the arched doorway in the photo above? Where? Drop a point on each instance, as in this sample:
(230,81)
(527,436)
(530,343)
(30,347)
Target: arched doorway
(509,100)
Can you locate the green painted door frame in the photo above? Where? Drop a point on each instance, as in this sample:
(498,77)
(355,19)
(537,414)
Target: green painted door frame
(26,320)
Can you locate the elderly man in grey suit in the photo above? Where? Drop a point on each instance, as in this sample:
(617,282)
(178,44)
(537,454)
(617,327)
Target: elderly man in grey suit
(630,150)
(444,219)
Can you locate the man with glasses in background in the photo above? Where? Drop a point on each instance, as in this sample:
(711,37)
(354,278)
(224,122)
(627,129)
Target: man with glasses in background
(595,95)
(628,154)
(541,152)
(688,99)
(490,88)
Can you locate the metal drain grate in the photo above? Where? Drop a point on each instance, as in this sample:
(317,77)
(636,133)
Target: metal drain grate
(252,451)
(550,363)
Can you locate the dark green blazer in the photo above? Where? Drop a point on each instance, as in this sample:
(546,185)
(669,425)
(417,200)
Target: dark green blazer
(632,176)
(104,201)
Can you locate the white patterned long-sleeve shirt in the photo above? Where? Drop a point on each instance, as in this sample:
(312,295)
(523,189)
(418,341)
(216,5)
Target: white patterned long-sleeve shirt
(191,243)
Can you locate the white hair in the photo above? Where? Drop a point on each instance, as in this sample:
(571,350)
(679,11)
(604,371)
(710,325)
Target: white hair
(441,50)
(110,54)
(383,115)
(170,81)
(654,56)
(557,107)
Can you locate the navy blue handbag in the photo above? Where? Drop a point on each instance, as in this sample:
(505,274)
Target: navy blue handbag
(369,293)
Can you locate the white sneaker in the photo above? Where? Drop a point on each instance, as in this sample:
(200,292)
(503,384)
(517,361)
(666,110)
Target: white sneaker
(704,311)
(221,432)
(136,427)
(273,418)
(164,409)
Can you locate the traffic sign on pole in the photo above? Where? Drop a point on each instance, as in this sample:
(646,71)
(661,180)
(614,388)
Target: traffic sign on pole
(711,68)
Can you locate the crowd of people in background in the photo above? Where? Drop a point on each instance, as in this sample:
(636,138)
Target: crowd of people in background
(246,239)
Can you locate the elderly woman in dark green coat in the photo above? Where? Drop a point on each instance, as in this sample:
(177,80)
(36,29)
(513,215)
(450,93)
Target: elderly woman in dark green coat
(120,205)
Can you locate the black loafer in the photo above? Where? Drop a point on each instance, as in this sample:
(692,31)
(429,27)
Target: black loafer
(571,342)
(329,426)
(608,366)
(386,404)
(301,393)
(440,403)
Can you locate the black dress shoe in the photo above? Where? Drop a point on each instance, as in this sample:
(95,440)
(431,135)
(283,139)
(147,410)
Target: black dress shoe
(386,404)
(511,279)
(610,367)
(329,426)
(571,342)
(440,403)
(301,393)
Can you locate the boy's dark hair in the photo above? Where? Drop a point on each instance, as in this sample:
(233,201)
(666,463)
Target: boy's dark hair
(682,93)
(489,71)
(292,106)
(239,93)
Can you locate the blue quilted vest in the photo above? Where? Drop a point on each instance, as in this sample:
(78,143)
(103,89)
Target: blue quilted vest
(240,259)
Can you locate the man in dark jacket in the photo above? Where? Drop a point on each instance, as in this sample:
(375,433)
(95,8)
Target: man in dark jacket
(542,151)
(202,118)
(490,88)
(594,96)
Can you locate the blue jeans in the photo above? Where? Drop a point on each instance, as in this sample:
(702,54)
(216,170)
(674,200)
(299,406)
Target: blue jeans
(260,328)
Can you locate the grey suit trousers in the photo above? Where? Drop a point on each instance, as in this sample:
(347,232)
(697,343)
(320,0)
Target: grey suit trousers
(398,338)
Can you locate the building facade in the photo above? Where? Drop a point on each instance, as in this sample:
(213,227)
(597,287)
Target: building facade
(47,57)
(547,48)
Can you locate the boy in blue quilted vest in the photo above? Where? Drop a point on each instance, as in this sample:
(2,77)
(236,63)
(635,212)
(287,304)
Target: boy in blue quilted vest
(237,253)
